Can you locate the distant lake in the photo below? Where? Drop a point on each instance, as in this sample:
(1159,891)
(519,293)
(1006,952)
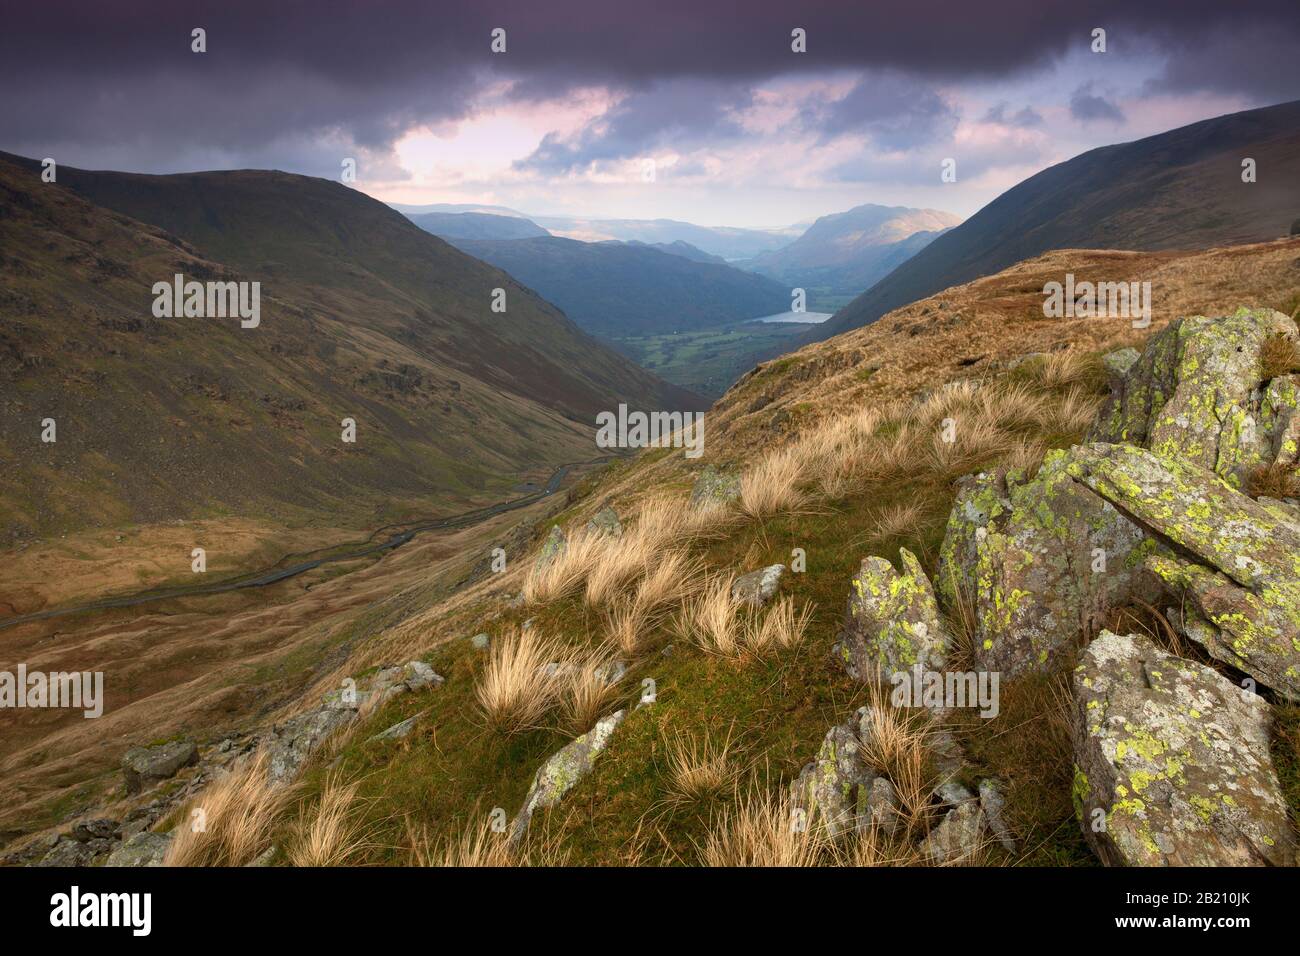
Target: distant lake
(804,318)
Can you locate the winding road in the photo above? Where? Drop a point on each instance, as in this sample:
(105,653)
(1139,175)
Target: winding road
(281,571)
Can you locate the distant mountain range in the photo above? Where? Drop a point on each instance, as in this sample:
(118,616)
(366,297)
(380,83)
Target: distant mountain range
(364,316)
(616,289)
(849,252)
(476,225)
(1182,189)
(723,241)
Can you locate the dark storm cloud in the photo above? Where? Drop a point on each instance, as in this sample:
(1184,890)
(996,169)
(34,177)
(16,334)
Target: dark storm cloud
(1026,118)
(119,79)
(676,115)
(893,111)
(1088,106)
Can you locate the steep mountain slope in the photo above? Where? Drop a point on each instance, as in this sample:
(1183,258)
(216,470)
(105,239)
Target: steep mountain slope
(620,289)
(476,225)
(851,251)
(363,316)
(1177,190)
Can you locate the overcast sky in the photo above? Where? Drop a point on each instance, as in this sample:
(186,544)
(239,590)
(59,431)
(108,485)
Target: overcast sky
(741,130)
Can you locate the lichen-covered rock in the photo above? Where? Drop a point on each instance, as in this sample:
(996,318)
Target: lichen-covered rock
(398,730)
(144,766)
(833,790)
(957,837)
(1237,562)
(290,743)
(605,521)
(1176,759)
(143,849)
(418,675)
(1195,395)
(1038,562)
(562,771)
(480,642)
(554,546)
(715,488)
(758,587)
(1119,363)
(893,622)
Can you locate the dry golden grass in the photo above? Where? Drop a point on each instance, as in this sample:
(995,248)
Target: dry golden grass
(896,521)
(329,833)
(671,580)
(896,743)
(479,847)
(515,690)
(781,627)
(1074,411)
(587,694)
(763,831)
(1059,369)
(230,823)
(711,619)
(1274,481)
(1278,356)
(699,769)
(566,571)
(772,486)
(1025,455)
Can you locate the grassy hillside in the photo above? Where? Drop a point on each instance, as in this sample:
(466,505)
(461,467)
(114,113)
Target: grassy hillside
(838,453)
(1176,190)
(364,316)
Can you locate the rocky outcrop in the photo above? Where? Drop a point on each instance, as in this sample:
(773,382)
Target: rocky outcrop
(715,488)
(1172,762)
(893,622)
(561,773)
(1195,395)
(145,766)
(143,849)
(757,587)
(605,521)
(835,790)
(1233,562)
(554,546)
(1038,562)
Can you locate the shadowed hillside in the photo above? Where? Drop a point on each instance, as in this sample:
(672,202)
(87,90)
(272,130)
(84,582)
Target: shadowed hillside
(624,289)
(1177,190)
(363,316)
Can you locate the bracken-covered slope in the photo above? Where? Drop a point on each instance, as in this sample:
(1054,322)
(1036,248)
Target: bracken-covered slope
(1178,190)
(364,316)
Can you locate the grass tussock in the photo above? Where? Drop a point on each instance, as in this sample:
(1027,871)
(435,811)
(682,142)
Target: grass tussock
(231,822)
(1274,481)
(773,486)
(763,831)
(588,691)
(330,832)
(583,552)
(719,624)
(516,689)
(476,847)
(699,769)
(896,743)
(1279,355)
